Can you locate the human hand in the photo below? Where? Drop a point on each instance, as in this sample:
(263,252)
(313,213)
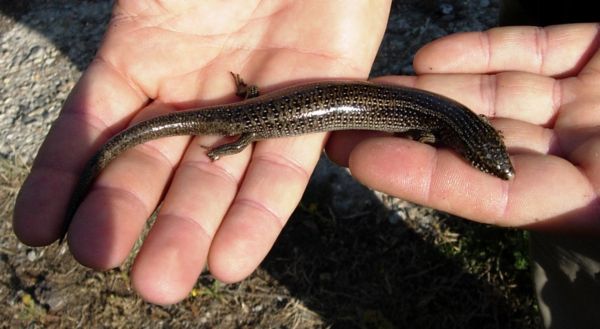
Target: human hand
(540,86)
(157,59)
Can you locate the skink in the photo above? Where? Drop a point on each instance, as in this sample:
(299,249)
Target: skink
(318,107)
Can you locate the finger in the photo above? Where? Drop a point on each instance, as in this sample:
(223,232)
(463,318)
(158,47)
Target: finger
(273,185)
(553,51)
(176,248)
(591,68)
(544,190)
(521,96)
(102,101)
(112,216)
(529,98)
(587,157)
(429,176)
(520,137)
(341,143)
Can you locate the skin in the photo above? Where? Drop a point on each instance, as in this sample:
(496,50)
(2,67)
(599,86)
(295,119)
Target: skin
(543,84)
(228,213)
(158,57)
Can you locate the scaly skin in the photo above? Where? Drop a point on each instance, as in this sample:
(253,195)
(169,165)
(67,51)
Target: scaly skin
(318,107)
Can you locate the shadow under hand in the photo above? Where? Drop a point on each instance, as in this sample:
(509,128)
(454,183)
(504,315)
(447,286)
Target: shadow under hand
(356,265)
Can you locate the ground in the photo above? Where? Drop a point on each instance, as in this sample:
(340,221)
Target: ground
(349,257)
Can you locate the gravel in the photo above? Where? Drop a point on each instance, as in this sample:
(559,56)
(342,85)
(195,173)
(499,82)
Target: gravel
(42,55)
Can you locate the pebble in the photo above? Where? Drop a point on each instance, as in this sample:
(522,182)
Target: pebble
(446,8)
(31,255)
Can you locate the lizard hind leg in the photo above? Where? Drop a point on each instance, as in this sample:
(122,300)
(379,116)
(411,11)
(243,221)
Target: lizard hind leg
(234,147)
(243,91)
(422,136)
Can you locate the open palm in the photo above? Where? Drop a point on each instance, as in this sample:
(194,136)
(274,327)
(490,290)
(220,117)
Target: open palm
(159,57)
